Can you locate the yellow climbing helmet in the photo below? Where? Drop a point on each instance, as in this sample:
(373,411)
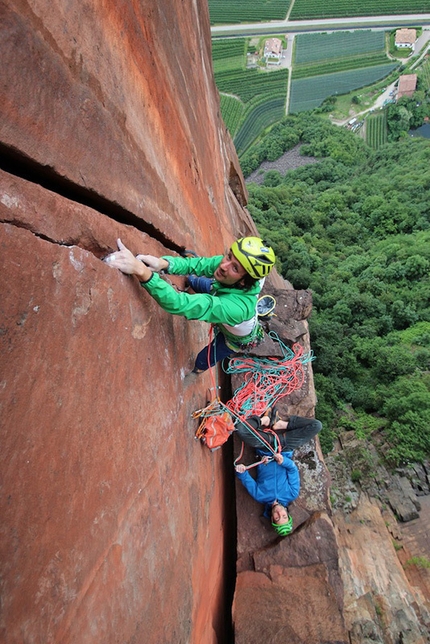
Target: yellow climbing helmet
(256,258)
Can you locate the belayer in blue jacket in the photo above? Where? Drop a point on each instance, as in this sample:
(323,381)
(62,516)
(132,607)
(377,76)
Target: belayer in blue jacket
(278,480)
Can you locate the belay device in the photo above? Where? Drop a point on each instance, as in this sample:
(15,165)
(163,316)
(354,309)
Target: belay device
(266,306)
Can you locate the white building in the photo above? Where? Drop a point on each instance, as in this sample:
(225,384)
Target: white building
(273,50)
(406,38)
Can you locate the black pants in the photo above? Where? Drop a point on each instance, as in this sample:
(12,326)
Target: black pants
(300,430)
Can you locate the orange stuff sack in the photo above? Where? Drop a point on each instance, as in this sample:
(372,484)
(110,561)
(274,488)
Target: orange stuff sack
(214,431)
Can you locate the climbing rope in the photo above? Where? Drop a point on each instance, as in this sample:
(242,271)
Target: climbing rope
(267,380)
(213,370)
(216,408)
(265,444)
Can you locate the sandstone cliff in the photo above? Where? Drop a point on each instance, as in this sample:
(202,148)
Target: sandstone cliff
(117,526)
(113,517)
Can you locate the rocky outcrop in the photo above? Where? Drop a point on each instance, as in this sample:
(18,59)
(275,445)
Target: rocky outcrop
(380,603)
(387,596)
(289,589)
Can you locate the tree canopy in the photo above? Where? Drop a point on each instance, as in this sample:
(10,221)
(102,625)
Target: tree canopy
(354,228)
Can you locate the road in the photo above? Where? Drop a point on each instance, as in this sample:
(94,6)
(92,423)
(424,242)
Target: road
(421,43)
(364,22)
(295,27)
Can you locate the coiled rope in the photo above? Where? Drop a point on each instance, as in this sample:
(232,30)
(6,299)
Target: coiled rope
(267,380)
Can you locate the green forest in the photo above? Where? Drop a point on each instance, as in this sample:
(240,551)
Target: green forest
(354,229)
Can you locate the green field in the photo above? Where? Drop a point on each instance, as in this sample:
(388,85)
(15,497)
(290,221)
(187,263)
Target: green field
(251,99)
(260,116)
(224,12)
(424,73)
(311,9)
(341,65)
(310,48)
(308,93)
(327,53)
(376,130)
(232,110)
(246,84)
(228,54)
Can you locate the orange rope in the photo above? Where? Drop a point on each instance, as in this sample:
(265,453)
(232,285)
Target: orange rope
(265,382)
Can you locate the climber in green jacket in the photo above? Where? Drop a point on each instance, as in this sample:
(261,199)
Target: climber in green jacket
(228,298)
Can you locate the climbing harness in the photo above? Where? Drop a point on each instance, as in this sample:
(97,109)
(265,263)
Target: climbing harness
(264,444)
(237,344)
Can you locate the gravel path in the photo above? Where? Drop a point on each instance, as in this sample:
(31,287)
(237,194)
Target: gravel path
(288,161)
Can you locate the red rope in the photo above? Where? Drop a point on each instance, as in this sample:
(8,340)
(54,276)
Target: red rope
(211,369)
(273,380)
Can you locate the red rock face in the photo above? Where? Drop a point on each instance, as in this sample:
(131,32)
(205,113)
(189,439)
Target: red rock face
(113,516)
(120,100)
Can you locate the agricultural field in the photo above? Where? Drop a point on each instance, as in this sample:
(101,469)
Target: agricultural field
(251,99)
(232,110)
(340,65)
(424,73)
(311,9)
(259,116)
(308,93)
(376,130)
(326,53)
(262,96)
(224,12)
(246,84)
(335,63)
(319,47)
(228,54)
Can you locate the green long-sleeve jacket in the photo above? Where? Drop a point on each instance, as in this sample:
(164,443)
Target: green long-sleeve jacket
(224,305)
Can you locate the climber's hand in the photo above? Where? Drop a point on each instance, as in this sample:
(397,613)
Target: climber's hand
(240,468)
(127,263)
(278,458)
(157,264)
